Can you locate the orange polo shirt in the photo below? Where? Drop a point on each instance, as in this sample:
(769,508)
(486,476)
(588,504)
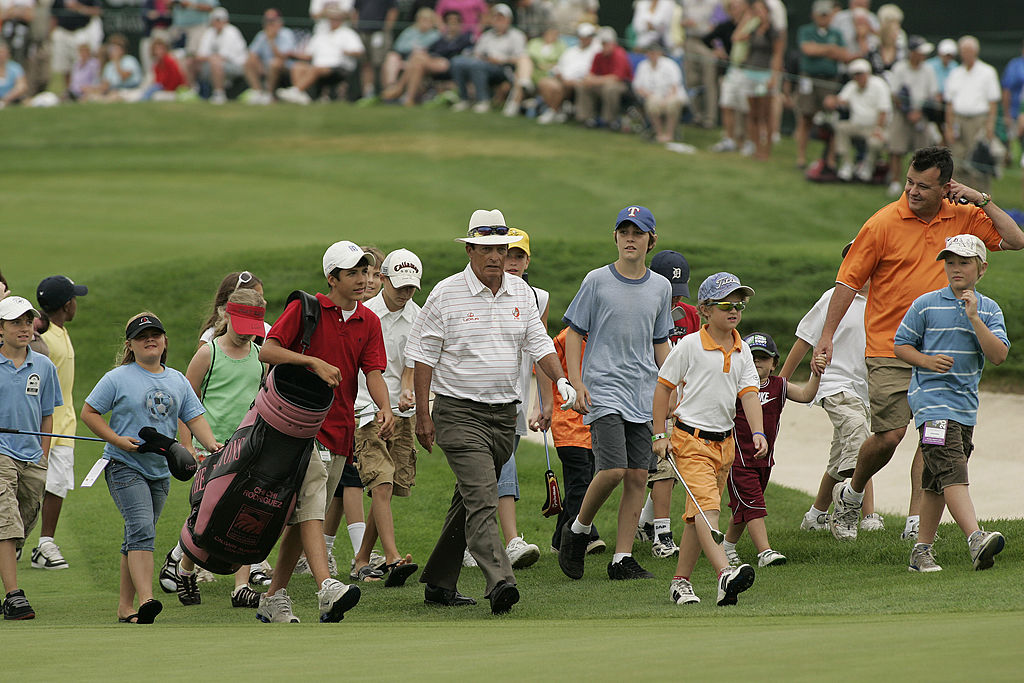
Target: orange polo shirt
(896,251)
(567,428)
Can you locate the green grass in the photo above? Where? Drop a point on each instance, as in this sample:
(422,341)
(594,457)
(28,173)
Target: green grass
(151,205)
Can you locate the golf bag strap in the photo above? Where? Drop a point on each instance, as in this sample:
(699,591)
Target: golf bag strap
(310,311)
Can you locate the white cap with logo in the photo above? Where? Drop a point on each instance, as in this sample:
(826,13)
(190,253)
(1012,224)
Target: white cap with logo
(402,268)
(344,254)
(13,307)
(967,246)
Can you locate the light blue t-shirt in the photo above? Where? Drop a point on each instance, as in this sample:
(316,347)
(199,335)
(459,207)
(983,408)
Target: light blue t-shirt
(942,72)
(27,395)
(113,77)
(183,17)
(622,319)
(137,398)
(285,42)
(12,73)
(937,323)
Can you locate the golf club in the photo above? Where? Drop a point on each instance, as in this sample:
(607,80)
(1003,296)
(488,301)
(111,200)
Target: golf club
(4,430)
(553,500)
(717,535)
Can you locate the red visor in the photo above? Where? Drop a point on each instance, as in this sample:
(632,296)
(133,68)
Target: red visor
(246,319)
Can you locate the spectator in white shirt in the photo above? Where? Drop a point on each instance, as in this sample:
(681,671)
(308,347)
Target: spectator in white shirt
(972,98)
(572,67)
(659,83)
(870,103)
(221,55)
(915,90)
(652,21)
(493,61)
(331,58)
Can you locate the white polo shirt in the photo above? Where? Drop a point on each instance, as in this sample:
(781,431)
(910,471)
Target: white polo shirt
(473,338)
(847,371)
(327,48)
(662,80)
(395,326)
(867,103)
(972,90)
(228,43)
(716,377)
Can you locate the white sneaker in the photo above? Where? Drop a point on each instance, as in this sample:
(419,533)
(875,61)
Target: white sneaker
(895,189)
(48,556)
(872,522)
(511,109)
(682,593)
(547,116)
(664,546)
(293,95)
(770,558)
(984,545)
(814,522)
(461,105)
(845,172)
(922,560)
(910,533)
(302,566)
(521,554)
(748,148)
(336,598)
(734,557)
(218,97)
(377,560)
(843,520)
(481,107)
(724,145)
(732,582)
(332,564)
(468,560)
(865,174)
(169,574)
(276,609)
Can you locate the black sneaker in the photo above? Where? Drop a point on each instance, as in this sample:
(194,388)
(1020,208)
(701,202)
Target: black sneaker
(243,596)
(188,590)
(627,568)
(169,574)
(16,606)
(571,552)
(645,533)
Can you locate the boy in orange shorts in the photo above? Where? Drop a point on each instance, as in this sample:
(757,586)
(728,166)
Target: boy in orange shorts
(716,366)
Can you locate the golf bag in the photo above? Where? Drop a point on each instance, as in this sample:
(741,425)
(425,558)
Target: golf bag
(243,495)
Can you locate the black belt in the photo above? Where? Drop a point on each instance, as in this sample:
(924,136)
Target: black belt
(478,404)
(702,434)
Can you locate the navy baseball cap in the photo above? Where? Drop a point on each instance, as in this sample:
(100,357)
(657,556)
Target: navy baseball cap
(143,322)
(57,290)
(640,216)
(674,267)
(759,341)
(720,285)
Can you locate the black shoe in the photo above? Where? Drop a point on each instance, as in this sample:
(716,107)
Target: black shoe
(435,595)
(188,589)
(503,597)
(16,606)
(245,597)
(627,568)
(571,552)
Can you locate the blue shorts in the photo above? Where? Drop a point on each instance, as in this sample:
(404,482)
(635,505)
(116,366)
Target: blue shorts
(508,479)
(139,501)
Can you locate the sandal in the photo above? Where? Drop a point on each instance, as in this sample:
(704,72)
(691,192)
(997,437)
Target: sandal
(130,619)
(148,611)
(366,573)
(399,571)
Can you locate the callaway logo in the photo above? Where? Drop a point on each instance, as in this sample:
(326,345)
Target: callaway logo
(405,265)
(632,211)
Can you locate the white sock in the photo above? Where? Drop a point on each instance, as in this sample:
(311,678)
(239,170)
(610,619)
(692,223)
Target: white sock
(183,572)
(662,526)
(617,557)
(580,528)
(815,511)
(852,495)
(355,534)
(911,521)
(176,553)
(329,542)
(647,514)
(44,539)
(728,547)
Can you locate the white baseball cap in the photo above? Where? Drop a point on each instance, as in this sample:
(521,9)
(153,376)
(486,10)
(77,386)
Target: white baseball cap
(402,268)
(13,307)
(967,246)
(859,66)
(488,227)
(947,46)
(344,254)
(219,13)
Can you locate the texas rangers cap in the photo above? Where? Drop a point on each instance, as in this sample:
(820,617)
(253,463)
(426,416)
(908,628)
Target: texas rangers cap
(640,216)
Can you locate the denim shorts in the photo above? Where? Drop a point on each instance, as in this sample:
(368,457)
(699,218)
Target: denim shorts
(508,478)
(139,501)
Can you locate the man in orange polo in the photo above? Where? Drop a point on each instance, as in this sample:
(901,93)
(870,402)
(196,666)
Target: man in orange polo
(895,250)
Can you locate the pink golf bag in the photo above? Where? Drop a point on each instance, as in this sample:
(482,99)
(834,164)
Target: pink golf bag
(244,494)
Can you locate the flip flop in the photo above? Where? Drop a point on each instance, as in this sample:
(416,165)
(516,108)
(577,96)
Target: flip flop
(399,571)
(148,611)
(366,573)
(130,619)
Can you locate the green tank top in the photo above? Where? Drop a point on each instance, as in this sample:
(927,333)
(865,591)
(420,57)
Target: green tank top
(229,388)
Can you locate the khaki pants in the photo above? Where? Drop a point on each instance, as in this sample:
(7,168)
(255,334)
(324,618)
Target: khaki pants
(967,131)
(846,131)
(701,68)
(610,94)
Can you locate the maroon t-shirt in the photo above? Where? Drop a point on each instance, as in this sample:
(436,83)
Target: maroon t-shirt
(350,346)
(773,396)
(616,63)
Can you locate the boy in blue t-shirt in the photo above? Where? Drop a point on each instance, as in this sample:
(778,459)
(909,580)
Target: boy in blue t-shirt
(624,311)
(29,391)
(947,335)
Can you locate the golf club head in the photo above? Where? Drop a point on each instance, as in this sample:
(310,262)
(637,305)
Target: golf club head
(717,535)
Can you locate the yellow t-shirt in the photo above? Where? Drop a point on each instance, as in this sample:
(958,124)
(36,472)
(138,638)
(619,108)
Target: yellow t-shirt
(62,353)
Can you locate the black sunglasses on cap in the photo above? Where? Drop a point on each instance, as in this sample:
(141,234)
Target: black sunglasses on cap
(487,230)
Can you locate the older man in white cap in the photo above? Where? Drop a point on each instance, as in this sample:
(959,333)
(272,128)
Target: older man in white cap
(466,345)
(870,103)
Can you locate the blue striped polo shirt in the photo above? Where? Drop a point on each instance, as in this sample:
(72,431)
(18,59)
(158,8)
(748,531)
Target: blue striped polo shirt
(937,323)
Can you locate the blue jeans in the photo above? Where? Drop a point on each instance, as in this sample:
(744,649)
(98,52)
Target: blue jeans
(140,501)
(481,73)
(508,479)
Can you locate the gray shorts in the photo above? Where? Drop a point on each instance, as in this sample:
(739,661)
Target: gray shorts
(619,444)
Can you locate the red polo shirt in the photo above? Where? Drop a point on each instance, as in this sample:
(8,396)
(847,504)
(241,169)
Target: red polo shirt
(616,63)
(350,346)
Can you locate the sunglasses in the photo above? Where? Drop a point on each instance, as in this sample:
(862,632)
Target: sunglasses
(244,278)
(485,230)
(728,305)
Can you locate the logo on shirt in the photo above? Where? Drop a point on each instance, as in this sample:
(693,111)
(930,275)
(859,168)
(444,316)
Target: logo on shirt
(160,404)
(471,317)
(765,397)
(515,313)
(32,385)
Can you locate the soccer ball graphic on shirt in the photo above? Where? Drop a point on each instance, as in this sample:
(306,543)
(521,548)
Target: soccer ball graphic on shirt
(159,404)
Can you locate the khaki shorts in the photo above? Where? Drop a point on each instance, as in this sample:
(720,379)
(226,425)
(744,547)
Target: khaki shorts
(312,500)
(850,421)
(810,103)
(705,468)
(905,137)
(947,465)
(888,383)
(21,491)
(387,462)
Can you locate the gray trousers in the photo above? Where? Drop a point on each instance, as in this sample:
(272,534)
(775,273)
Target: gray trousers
(477,441)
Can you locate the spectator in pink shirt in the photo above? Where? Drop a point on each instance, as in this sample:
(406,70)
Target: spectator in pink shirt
(472,12)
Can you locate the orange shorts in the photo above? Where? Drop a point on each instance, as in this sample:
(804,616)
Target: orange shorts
(705,468)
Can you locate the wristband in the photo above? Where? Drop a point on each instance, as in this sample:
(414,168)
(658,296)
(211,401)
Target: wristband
(659,435)
(762,434)
(985,199)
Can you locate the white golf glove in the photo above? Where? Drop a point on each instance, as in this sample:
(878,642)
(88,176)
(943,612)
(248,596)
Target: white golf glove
(567,392)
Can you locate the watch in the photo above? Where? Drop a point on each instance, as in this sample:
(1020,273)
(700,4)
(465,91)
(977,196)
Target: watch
(985,199)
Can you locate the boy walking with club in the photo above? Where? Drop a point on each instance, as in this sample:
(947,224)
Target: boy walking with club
(624,311)
(947,335)
(716,367)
